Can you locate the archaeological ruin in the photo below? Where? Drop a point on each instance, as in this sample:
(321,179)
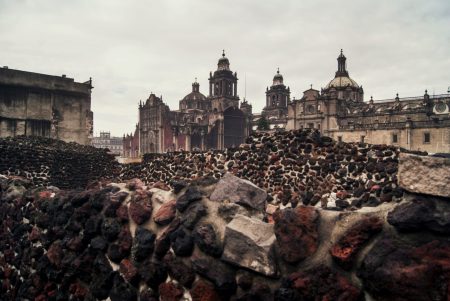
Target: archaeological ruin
(284,216)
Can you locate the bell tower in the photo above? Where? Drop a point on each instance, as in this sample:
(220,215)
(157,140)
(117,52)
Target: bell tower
(223,86)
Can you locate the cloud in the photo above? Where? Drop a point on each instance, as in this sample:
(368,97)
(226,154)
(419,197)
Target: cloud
(132,48)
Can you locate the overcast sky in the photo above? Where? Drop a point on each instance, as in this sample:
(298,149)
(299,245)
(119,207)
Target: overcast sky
(132,48)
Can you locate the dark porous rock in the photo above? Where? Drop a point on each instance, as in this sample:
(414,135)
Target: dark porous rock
(191,194)
(180,271)
(116,253)
(422,213)
(260,292)
(242,192)
(207,240)
(245,281)
(140,207)
(153,273)
(148,294)
(122,291)
(182,242)
(318,283)
(143,244)
(178,186)
(101,285)
(162,244)
(111,228)
(166,213)
(111,208)
(135,184)
(204,291)
(396,270)
(120,196)
(125,240)
(193,214)
(122,214)
(93,226)
(170,291)
(296,231)
(353,240)
(221,275)
(55,253)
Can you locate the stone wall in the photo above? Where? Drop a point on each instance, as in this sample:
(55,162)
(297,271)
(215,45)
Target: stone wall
(45,161)
(216,240)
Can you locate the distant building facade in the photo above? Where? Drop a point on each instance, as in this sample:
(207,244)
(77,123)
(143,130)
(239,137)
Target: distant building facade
(114,144)
(216,121)
(35,104)
(131,144)
(338,110)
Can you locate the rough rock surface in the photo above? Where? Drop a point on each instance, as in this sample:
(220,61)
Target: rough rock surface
(296,231)
(243,192)
(425,174)
(249,243)
(353,240)
(396,270)
(421,213)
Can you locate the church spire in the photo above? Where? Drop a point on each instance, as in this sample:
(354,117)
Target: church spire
(342,68)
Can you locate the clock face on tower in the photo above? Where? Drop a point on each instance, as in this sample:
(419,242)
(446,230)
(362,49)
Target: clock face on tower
(440,108)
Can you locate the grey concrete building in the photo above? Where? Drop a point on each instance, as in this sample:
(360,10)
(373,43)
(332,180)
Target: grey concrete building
(114,144)
(34,104)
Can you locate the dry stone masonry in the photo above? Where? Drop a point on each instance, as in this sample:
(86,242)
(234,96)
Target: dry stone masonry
(217,236)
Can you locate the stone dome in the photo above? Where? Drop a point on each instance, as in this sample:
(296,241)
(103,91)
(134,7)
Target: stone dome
(342,82)
(278,78)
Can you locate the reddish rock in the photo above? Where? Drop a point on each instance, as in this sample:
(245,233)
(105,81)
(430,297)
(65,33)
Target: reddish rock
(78,291)
(166,213)
(35,234)
(296,231)
(135,184)
(122,214)
(203,291)
(162,244)
(161,185)
(353,240)
(396,270)
(342,194)
(170,291)
(140,207)
(179,271)
(128,270)
(125,240)
(75,244)
(321,283)
(55,253)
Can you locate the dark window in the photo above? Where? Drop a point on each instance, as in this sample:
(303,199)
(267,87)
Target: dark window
(339,138)
(426,138)
(311,125)
(362,139)
(394,138)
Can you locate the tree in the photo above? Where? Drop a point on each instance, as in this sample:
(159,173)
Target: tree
(263,124)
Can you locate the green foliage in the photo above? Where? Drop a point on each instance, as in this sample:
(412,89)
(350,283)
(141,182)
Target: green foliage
(263,124)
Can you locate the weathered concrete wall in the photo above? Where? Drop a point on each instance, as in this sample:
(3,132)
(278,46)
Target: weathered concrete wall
(34,104)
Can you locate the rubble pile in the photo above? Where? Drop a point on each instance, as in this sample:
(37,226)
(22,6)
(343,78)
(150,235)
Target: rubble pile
(46,161)
(293,167)
(215,240)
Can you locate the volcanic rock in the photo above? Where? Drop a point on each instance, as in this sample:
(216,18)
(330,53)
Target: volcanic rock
(296,231)
(353,240)
(221,275)
(207,240)
(143,244)
(178,270)
(170,291)
(396,270)
(166,213)
(422,214)
(191,194)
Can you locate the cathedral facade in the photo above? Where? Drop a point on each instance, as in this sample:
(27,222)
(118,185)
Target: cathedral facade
(339,111)
(216,121)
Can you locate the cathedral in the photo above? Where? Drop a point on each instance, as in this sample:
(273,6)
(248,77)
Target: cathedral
(339,111)
(216,121)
